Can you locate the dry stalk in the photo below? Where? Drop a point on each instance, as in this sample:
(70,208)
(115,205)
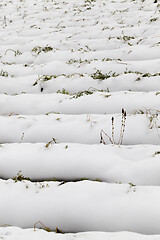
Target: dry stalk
(113,130)
(123,122)
(102,139)
(47,228)
(112,139)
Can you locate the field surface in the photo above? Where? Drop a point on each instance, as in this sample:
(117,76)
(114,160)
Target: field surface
(79,119)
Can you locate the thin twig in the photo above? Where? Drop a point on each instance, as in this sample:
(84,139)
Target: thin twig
(124,123)
(113,130)
(106,135)
(47,229)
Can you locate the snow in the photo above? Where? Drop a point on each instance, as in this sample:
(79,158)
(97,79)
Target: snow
(88,206)
(19,234)
(83,128)
(139,164)
(67,69)
(96,103)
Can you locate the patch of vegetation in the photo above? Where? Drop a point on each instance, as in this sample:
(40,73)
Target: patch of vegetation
(81,93)
(152,116)
(99,75)
(63,91)
(136,72)
(153,19)
(39,49)
(8,63)
(132,187)
(157,153)
(58,119)
(107,96)
(44,78)
(150,74)
(52,113)
(84,49)
(142,75)
(72,75)
(111,59)
(34,26)
(54,140)
(125,38)
(80,61)
(4,73)
(131,184)
(20,177)
(139,111)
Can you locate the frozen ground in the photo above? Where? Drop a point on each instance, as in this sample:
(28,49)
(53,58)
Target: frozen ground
(67,69)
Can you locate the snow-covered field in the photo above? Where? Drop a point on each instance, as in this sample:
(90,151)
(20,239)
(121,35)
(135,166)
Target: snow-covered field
(70,156)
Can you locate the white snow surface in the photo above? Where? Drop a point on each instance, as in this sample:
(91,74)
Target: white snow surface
(66,69)
(96,103)
(16,233)
(81,206)
(139,164)
(83,128)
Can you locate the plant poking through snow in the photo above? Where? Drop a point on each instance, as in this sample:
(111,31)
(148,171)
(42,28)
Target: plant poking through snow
(16,52)
(99,75)
(112,139)
(43,78)
(51,142)
(132,187)
(47,228)
(153,117)
(156,153)
(20,177)
(3,73)
(39,49)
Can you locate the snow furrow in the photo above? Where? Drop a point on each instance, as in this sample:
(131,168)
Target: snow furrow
(75,83)
(88,102)
(138,164)
(81,206)
(85,128)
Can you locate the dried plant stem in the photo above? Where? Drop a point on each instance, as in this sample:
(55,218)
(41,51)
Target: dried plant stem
(123,126)
(22,137)
(102,139)
(113,130)
(112,139)
(46,228)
